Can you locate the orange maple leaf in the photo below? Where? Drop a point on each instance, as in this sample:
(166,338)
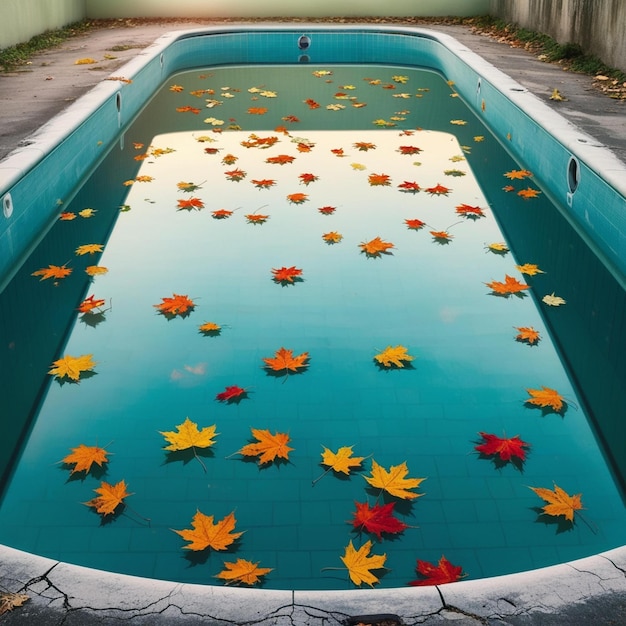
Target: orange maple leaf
(281,159)
(283,359)
(89,248)
(243,571)
(529,268)
(287,274)
(298,198)
(176,305)
(546,398)
(268,446)
(94,270)
(188,109)
(375,247)
(53,271)
(441,236)
(221,214)
(205,534)
(472,212)
(235,175)
(332,237)
(559,502)
(67,216)
(111,496)
(414,224)
(518,174)
(383,180)
(210,329)
(263,183)
(257,110)
(83,457)
(528,193)
(438,190)
(527,334)
(90,303)
(191,203)
(509,286)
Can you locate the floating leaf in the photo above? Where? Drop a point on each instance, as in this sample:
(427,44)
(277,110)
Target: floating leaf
(379,180)
(235,175)
(505,448)
(377,519)
(87,213)
(364,146)
(83,457)
(268,446)
(177,88)
(283,359)
(297,198)
(510,286)
(498,248)
(176,305)
(414,224)
(256,218)
(471,212)
(528,193)
(89,248)
(527,334)
(308,178)
(530,269)
(111,496)
(232,394)
(242,571)
(438,190)
(440,574)
(409,150)
(458,122)
(393,356)
(53,271)
(95,270)
(559,502)
(67,216)
(205,534)
(360,564)
(188,109)
(281,159)
(264,183)
(394,481)
(257,110)
(409,187)
(546,398)
(287,274)
(342,460)
(441,236)
(454,172)
(72,367)
(187,435)
(332,237)
(89,304)
(518,174)
(221,214)
(375,247)
(552,300)
(210,329)
(190,204)
(327,210)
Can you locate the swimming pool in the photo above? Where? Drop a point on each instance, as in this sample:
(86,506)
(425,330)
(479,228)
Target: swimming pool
(486,107)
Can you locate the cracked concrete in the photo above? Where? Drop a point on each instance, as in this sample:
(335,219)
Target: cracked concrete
(590,591)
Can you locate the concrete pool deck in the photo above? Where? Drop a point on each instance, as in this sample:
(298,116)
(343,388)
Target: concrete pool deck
(587,591)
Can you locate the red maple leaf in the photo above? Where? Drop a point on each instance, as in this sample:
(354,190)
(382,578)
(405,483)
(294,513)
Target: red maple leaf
(472,212)
(191,203)
(231,394)
(443,572)
(338,152)
(377,519)
(235,175)
(287,274)
(307,178)
(409,187)
(327,210)
(89,304)
(311,103)
(221,214)
(263,183)
(379,180)
(211,150)
(505,448)
(281,159)
(438,190)
(414,224)
(409,150)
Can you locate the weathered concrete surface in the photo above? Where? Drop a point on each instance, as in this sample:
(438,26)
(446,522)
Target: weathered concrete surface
(598,26)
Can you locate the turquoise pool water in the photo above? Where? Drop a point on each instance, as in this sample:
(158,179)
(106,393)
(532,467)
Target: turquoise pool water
(469,374)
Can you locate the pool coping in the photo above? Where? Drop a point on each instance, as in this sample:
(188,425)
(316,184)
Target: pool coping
(61,592)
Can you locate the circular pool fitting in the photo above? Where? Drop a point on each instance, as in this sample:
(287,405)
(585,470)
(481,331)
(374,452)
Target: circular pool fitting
(7,205)
(304,42)
(478,86)
(118,105)
(304,58)
(573,174)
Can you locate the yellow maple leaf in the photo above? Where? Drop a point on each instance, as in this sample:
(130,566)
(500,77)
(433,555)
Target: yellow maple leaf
(243,571)
(210,328)
(89,248)
(268,446)
(189,436)
(497,248)
(72,366)
(553,300)
(94,270)
(559,502)
(53,271)
(83,457)
(360,564)
(518,174)
(546,397)
(205,534)
(393,356)
(394,481)
(342,460)
(111,496)
(529,268)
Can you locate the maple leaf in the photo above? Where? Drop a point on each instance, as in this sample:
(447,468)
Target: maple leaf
(438,190)
(311,103)
(298,198)
(256,218)
(243,571)
(190,204)
(458,122)
(364,146)
(10,601)
(72,367)
(89,248)
(342,460)
(67,216)
(552,300)
(441,236)
(508,188)
(53,271)
(306,178)
(505,448)
(229,159)
(290,118)
(528,193)
(332,237)
(338,152)
(377,519)
(409,187)
(210,329)
(111,496)
(530,269)
(498,248)
(235,175)
(90,303)
(94,270)
(87,213)
(285,275)
(177,88)
(257,110)
(176,305)
(232,394)
(187,435)
(281,159)
(471,212)
(327,210)
(527,334)
(211,150)
(546,398)
(414,224)
(559,502)
(360,564)
(381,180)
(205,534)
(283,359)
(394,481)
(268,446)
(83,457)
(393,356)
(375,247)
(518,174)
(440,574)
(510,286)
(409,150)
(264,183)
(188,109)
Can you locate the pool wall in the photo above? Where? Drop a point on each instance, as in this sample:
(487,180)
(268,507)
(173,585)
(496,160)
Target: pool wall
(38,178)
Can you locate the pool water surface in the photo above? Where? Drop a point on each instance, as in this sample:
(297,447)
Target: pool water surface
(227,175)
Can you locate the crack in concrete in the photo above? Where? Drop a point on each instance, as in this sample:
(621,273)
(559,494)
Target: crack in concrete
(617,567)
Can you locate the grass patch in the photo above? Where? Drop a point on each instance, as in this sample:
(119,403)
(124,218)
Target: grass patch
(15,56)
